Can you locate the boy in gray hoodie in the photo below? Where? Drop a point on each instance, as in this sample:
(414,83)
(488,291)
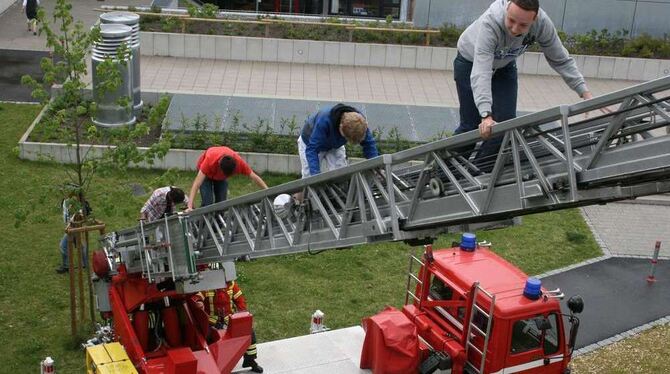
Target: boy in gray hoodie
(485,67)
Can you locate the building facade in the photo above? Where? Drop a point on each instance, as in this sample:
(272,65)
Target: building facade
(572,16)
(344,8)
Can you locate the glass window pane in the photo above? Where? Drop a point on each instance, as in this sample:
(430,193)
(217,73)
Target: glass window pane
(525,336)
(551,337)
(365,8)
(440,291)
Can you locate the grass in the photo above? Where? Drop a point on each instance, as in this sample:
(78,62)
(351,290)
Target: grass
(282,292)
(648,352)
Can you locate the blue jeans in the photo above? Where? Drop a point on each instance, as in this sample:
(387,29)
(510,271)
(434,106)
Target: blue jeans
(212,191)
(64,256)
(504,87)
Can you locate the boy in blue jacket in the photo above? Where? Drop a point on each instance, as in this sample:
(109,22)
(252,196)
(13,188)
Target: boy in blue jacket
(326,132)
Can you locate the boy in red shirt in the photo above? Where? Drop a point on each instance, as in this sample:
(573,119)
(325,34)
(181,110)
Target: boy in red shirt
(214,166)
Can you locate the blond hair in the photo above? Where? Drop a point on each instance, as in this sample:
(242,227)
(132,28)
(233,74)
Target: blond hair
(353,126)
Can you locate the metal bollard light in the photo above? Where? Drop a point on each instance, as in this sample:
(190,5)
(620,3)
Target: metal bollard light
(109,113)
(133,21)
(651,278)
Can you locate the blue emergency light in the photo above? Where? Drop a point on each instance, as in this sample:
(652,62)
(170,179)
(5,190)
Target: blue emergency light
(468,241)
(533,288)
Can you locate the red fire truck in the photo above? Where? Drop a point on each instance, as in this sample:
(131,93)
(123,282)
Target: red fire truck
(472,312)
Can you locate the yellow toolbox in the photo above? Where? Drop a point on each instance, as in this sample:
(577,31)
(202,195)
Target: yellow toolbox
(108,358)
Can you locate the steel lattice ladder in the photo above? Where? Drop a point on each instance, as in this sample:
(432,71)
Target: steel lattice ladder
(553,159)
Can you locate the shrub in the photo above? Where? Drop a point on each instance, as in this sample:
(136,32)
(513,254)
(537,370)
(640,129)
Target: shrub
(449,34)
(647,47)
(169,24)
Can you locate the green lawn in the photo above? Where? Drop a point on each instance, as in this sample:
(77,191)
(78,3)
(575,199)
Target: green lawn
(282,292)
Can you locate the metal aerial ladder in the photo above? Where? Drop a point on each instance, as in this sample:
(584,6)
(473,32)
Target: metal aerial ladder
(609,148)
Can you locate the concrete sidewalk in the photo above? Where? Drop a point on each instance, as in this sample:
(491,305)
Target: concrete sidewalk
(342,83)
(14,32)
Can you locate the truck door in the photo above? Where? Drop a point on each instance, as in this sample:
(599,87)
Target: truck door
(535,346)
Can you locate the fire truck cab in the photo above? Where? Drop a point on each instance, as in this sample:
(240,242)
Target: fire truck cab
(474,312)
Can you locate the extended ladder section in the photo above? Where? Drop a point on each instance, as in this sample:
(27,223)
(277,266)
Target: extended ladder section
(609,148)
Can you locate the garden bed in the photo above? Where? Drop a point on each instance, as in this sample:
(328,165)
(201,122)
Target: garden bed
(264,148)
(48,130)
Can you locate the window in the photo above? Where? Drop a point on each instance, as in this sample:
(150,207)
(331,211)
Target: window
(551,339)
(365,8)
(528,335)
(440,291)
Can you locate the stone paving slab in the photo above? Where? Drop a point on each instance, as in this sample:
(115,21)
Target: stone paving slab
(342,83)
(336,351)
(631,229)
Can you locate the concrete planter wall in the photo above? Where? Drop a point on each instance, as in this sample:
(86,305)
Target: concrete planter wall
(377,55)
(180,159)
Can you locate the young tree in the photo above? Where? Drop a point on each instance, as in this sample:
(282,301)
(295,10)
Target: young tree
(70,106)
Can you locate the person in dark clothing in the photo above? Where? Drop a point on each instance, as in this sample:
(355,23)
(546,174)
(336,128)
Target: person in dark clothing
(326,132)
(30,7)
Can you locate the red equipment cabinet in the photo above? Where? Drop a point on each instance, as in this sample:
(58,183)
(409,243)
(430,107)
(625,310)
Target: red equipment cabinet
(183,343)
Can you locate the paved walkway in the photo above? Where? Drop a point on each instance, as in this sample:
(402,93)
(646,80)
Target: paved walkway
(631,228)
(342,83)
(14,33)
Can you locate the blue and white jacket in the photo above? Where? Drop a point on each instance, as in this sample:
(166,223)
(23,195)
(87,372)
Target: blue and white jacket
(321,133)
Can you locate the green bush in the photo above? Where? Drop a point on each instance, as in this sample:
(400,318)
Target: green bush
(449,34)
(206,11)
(647,47)
(596,43)
(169,24)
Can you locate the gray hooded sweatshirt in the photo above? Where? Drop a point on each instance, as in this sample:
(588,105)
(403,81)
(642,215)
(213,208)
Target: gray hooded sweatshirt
(489,45)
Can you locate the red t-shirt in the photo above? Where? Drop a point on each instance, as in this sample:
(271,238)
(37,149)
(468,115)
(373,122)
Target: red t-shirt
(208,163)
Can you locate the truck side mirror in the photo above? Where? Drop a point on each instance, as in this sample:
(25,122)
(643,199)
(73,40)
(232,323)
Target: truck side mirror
(574,321)
(576,305)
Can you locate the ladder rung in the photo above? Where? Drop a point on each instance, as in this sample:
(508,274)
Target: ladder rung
(413,295)
(417,260)
(482,311)
(487,293)
(477,329)
(475,348)
(476,370)
(416,278)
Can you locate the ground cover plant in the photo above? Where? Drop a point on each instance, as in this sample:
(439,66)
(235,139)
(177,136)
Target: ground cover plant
(199,132)
(283,292)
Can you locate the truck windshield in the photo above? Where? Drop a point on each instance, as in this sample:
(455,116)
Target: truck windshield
(527,336)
